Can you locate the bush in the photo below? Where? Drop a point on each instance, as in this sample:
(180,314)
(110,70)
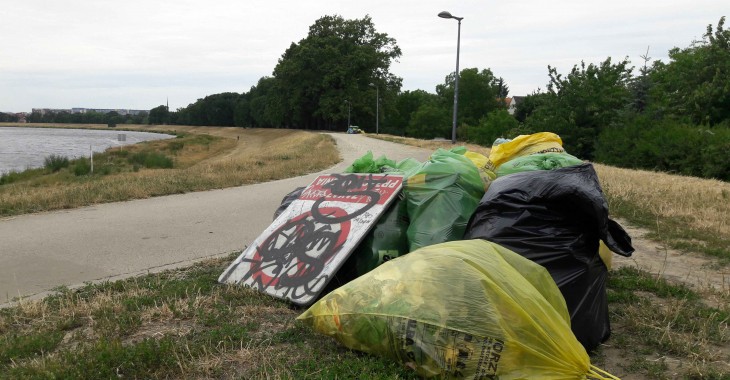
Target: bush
(667,146)
(151,160)
(9,177)
(55,162)
(81,167)
(496,124)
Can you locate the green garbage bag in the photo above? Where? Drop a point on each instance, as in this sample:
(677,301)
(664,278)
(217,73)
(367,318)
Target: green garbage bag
(367,164)
(386,241)
(441,196)
(463,309)
(388,238)
(538,161)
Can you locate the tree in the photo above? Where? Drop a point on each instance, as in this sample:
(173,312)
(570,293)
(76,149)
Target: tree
(696,81)
(529,104)
(336,61)
(430,121)
(159,115)
(497,123)
(578,106)
(478,94)
(502,89)
(406,104)
(8,117)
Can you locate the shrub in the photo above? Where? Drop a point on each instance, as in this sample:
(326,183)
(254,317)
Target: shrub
(55,162)
(81,167)
(667,146)
(150,160)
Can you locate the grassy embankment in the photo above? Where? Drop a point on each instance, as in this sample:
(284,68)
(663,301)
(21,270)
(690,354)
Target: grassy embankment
(201,159)
(181,324)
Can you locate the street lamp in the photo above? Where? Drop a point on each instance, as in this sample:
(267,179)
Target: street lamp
(445,14)
(377,108)
(349,105)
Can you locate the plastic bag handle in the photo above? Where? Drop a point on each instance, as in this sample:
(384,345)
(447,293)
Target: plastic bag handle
(599,374)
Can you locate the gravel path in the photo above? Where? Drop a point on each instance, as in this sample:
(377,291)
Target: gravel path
(43,251)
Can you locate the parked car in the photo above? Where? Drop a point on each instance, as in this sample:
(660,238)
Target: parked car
(354,130)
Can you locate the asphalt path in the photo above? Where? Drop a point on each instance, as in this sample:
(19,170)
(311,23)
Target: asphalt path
(41,252)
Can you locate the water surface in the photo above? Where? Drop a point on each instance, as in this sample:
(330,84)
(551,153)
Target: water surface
(25,148)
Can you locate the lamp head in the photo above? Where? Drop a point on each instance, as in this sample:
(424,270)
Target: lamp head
(446,14)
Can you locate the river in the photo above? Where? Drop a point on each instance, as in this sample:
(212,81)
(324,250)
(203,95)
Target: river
(25,148)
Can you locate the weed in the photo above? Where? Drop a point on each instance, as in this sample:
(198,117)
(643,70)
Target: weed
(55,162)
(661,320)
(81,167)
(14,347)
(150,160)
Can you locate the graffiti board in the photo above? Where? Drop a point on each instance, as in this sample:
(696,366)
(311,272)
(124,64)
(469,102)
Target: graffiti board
(297,255)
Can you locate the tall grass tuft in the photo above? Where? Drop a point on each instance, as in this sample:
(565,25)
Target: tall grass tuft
(81,167)
(55,162)
(151,160)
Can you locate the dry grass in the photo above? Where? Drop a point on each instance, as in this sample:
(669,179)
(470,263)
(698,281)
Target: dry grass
(703,203)
(238,157)
(430,144)
(687,212)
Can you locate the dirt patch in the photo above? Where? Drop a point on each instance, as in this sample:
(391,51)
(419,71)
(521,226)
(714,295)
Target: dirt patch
(695,270)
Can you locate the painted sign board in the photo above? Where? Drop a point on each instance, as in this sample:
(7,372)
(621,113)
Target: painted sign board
(298,254)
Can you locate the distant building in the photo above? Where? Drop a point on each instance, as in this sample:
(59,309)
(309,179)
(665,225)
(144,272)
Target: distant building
(120,111)
(513,102)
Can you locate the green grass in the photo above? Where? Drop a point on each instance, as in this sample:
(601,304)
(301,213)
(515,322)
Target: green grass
(656,323)
(183,324)
(176,324)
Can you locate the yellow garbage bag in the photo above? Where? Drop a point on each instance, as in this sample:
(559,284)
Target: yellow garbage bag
(523,145)
(462,309)
(480,161)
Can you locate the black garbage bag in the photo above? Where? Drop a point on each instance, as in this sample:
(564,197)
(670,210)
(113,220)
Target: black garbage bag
(287,200)
(556,219)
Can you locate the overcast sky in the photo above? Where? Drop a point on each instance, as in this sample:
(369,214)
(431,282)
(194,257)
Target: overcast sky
(136,54)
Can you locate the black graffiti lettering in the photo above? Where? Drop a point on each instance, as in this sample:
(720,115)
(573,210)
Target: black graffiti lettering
(294,255)
(348,185)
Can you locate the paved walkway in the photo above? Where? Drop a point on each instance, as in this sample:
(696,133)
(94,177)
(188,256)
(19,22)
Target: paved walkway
(39,252)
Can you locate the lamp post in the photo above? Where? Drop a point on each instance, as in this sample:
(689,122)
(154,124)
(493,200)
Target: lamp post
(446,14)
(349,106)
(377,108)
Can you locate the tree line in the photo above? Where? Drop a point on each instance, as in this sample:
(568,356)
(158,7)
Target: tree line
(671,116)
(88,117)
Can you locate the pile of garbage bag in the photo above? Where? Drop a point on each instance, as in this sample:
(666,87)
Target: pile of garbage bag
(481,259)
(461,309)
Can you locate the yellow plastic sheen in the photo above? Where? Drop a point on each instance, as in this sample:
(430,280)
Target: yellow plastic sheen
(605,254)
(523,145)
(462,309)
(481,161)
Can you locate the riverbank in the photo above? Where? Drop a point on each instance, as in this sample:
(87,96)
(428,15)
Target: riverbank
(227,157)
